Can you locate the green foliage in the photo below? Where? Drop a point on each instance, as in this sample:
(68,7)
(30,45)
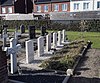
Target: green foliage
(86,25)
(59,64)
(14,23)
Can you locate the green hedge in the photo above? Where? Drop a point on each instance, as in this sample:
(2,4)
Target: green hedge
(90,25)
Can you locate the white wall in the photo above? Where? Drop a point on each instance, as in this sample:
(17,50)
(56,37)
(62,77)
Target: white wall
(81,5)
(19,17)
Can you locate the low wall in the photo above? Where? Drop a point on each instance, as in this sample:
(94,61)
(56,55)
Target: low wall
(3,67)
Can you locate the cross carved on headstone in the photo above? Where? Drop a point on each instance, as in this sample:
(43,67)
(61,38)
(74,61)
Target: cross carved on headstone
(12,50)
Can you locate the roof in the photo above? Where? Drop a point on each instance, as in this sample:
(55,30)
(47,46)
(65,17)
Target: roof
(50,1)
(6,2)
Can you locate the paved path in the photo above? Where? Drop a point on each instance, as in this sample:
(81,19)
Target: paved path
(88,70)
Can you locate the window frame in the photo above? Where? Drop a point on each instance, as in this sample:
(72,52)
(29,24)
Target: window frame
(86,5)
(11,10)
(76,6)
(64,7)
(38,8)
(46,8)
(98,4)
(56,6)
(3,10)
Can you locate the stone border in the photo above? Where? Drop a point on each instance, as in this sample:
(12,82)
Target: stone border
(71,71)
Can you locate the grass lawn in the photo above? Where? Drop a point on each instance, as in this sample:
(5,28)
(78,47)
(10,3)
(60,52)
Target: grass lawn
(92,36)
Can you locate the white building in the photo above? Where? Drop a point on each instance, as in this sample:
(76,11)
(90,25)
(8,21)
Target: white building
(84,5)
(97,5)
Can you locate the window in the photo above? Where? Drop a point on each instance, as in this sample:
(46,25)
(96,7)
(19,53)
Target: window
(3,10)
(38,8)
(9,9)
(64,7)
(98,4)
(56,7)
(76,6)
(85,5)
(45,8)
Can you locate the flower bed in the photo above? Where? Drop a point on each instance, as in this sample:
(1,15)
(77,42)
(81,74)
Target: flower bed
(65,58)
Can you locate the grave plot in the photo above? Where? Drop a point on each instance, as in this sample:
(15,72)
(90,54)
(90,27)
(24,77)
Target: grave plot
(22,54)
(65,58)
(68,55)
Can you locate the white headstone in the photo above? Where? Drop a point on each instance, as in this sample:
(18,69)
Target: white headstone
(29,51)
(64,41)
(59,38)
(40,42)
(48,42)
(12,50)
(16,36)
(54,40)
(63,36)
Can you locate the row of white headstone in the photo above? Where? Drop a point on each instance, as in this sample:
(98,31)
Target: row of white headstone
(40,43)
(14,48)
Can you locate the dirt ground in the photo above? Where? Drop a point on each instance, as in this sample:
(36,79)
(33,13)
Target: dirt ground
(88,70)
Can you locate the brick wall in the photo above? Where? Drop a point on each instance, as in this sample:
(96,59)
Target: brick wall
(6,7)
(0,9)
(42,8)
(3,67)
(60,8)
(51,7)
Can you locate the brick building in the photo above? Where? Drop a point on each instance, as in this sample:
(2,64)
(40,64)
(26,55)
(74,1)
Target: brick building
(3,67)
(7,6)
(46,6)
(16,6)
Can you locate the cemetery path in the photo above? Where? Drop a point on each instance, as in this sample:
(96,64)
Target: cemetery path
(88,70)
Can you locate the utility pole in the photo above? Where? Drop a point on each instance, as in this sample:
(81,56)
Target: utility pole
(26,6)
(93,5)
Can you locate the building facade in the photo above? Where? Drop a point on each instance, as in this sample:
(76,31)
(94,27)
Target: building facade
(84,5)
(47,6)
(7,7)
(81,5)
(43,7)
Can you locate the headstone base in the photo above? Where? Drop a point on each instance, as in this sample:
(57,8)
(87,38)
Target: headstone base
(49,52)
(66,42)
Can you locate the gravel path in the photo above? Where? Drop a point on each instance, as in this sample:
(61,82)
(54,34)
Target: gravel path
(88,70)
